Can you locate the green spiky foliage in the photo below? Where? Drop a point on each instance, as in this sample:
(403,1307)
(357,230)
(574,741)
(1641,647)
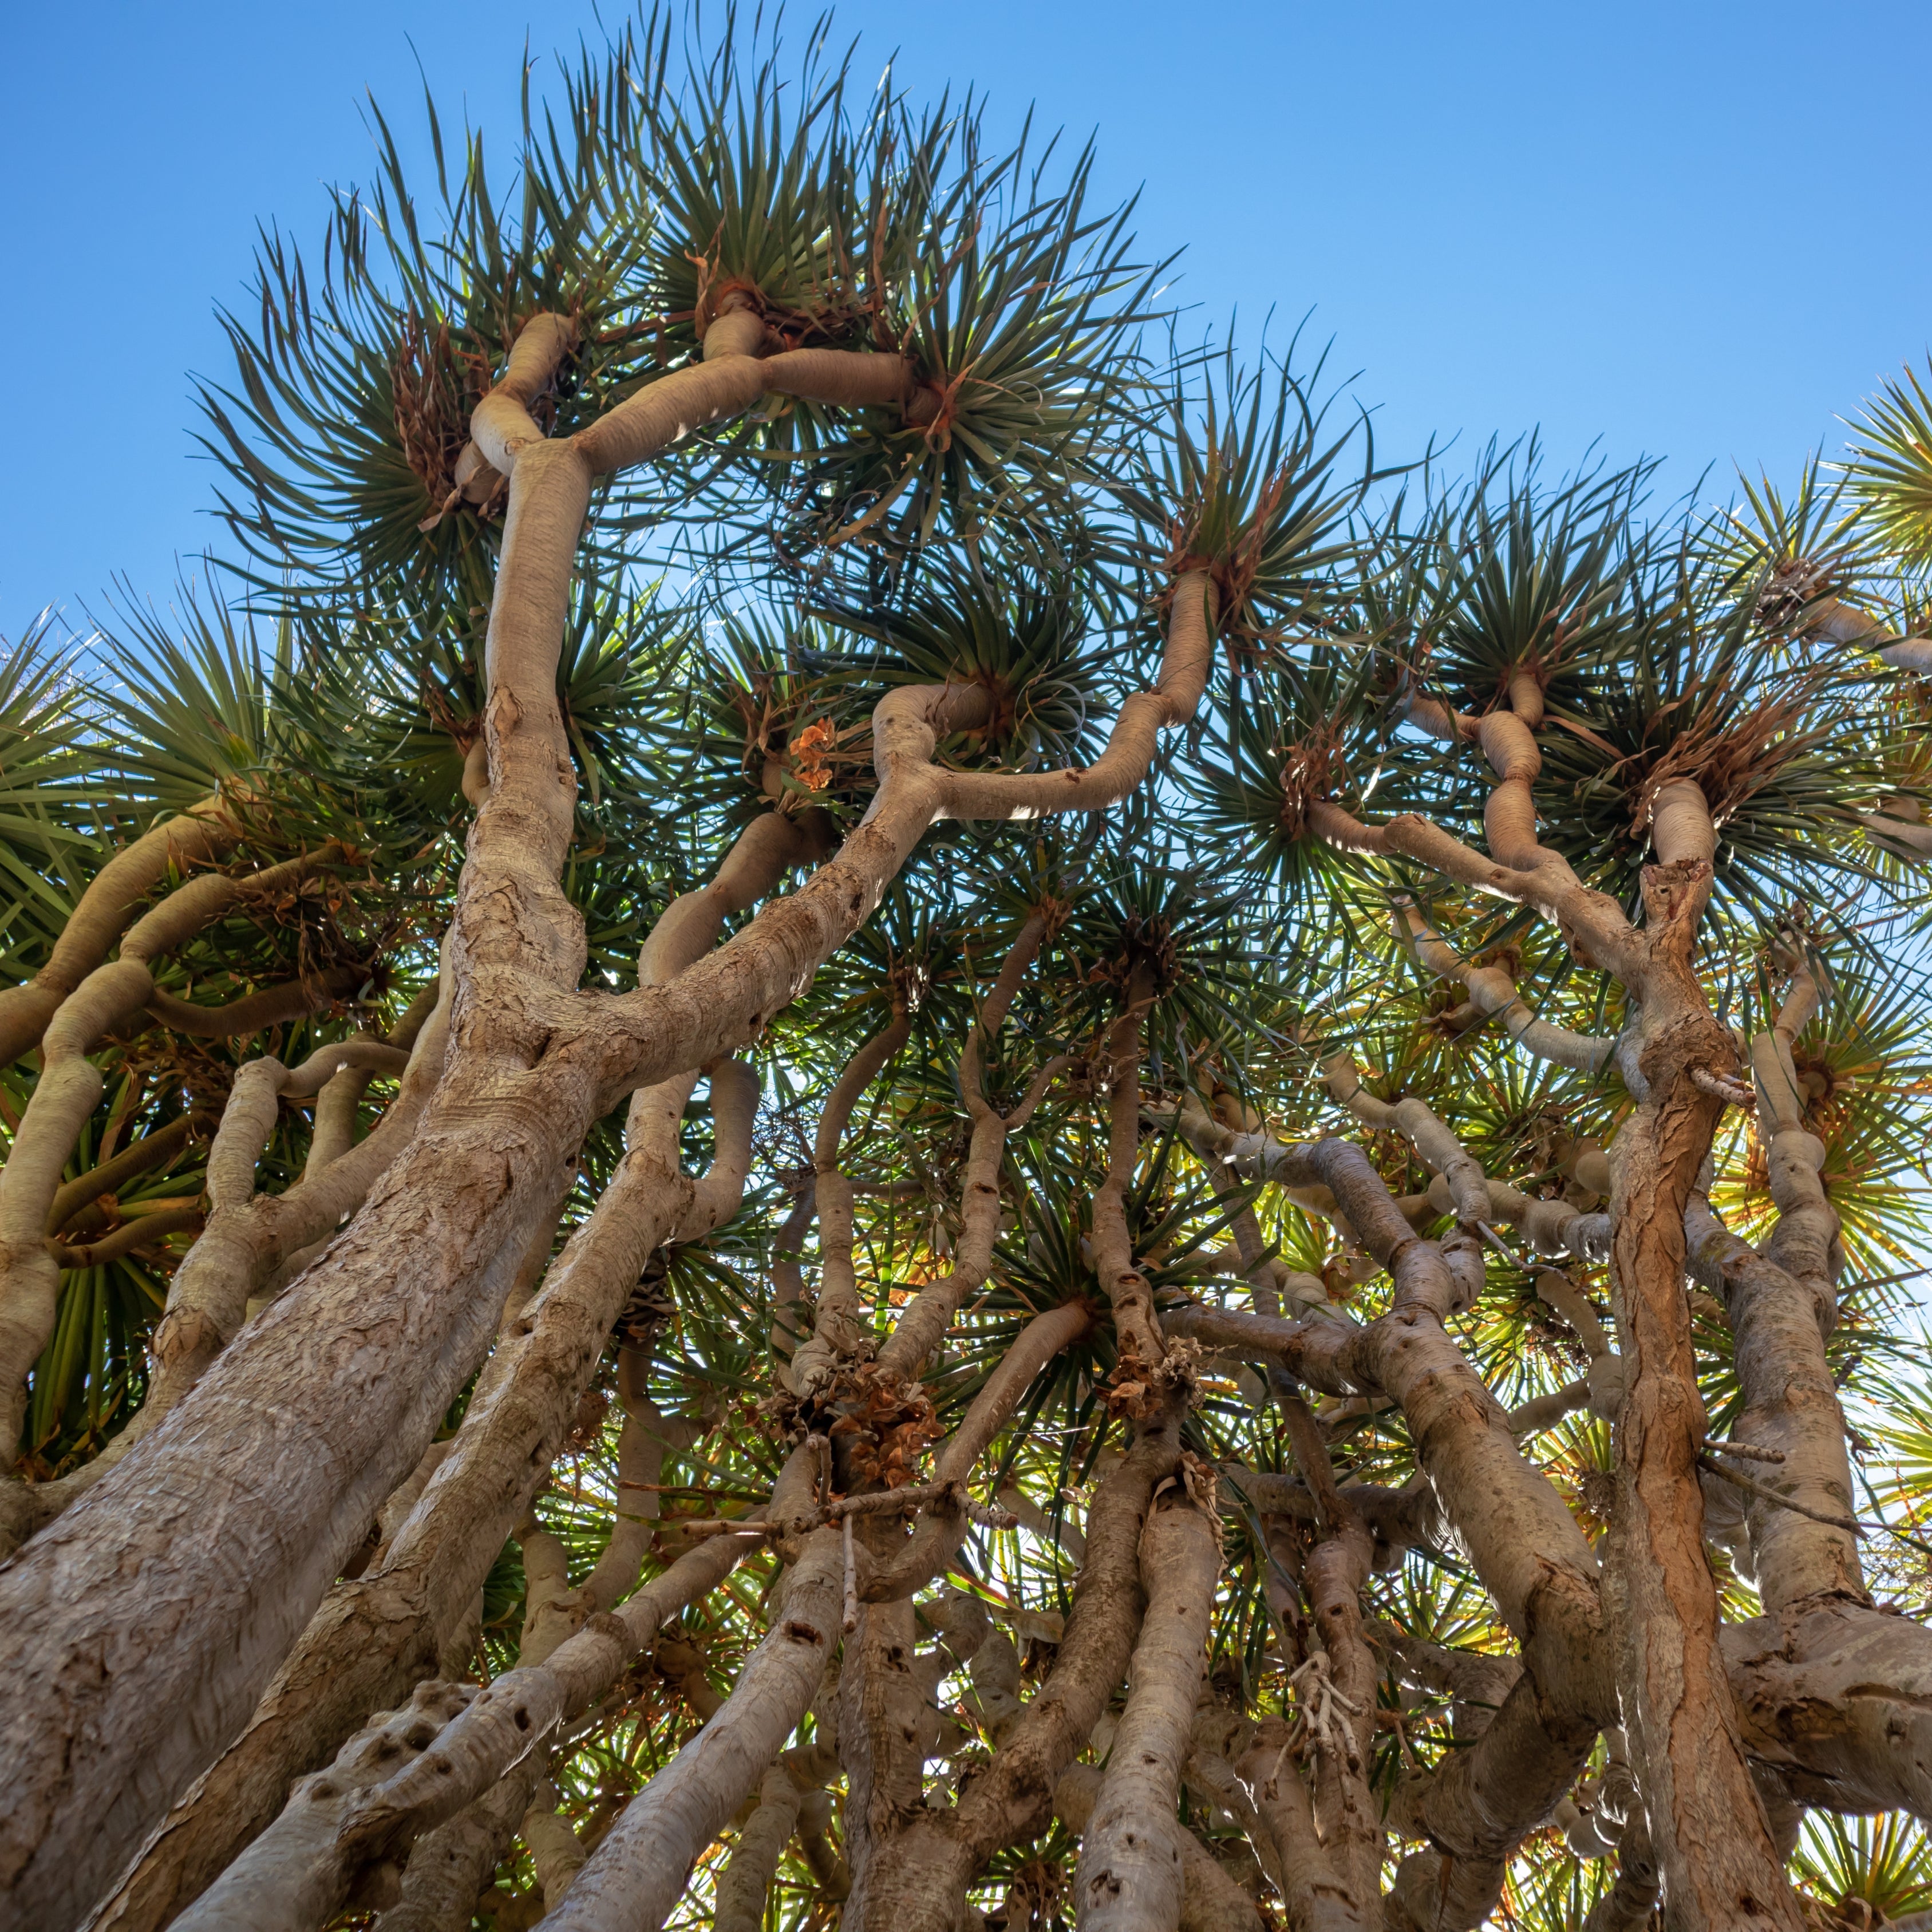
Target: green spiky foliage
(1242,479)
(350,407)
(1529,579)
(1794,547)
(1890,469)
(740,608)
(1026,637)
(161,714)
(48,841)
(1779,750)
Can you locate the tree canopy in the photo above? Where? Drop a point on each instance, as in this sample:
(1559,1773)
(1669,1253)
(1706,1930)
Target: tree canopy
(857,1090)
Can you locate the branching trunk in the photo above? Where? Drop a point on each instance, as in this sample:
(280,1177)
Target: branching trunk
(67,1091)
(634,1877)
(201,835)
(1707,1825)
(449,1869)
(1130,1870)
(507,1118)
(938,1855)
(885,386)
(1211,1901)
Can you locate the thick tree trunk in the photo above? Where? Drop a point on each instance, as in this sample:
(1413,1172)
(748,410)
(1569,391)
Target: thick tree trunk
(923,1888)
(634,1877)
(1713,1844)
(1129,1878)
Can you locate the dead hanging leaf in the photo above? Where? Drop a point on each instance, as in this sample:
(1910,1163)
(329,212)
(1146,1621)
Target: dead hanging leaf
(1202,1480)
(1179,1374)
(888,1422)
(1138,1389)
(811,750)
(1314,769)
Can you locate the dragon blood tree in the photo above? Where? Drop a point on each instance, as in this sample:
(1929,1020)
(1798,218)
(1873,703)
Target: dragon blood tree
(844,1099)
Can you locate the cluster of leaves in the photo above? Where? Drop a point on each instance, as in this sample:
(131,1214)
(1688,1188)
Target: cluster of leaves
(201,709)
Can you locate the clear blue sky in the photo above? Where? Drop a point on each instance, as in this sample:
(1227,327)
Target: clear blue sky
(1696,230)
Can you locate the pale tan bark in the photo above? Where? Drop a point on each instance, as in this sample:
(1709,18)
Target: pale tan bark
(1629,1904)
(1708,1823)
(67,1091)
(152,1150)
(1418,1124)
(1130,1869)
(1592,923)
(449,1867)
(1346,1809)
(383,1632)
(745,1883)
(1314,1898)
(246,1238)
(1210,1900)
(1137,1335)
(1209,1781)
(479,1740)
(884,1735)
(1836,1700)
(840,1333)
(380,1632)
(1791,1406)
(788,1297)
(333,1132)
(253,1012)
(395,1623)
(1522,1540)
(827,1868)
(1395,1519)
(1841,623)
(634,1877)
(531,1702)
(1185,665)
(1509,813)
(290,1876)
(148,1222)
(1272,1281)
(1492,991)
(546,1591)
(920,1329)
(901,1569)
(555,1850)
(646,1436)
(939,1853)
(199,836)
(415,1279)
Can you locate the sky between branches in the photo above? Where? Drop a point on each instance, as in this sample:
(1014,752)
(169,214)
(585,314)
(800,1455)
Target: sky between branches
(1695,231)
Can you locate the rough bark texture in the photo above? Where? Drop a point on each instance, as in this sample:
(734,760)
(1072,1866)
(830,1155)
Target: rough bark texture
(634,1877)
(1130,1870)
(1713,1846)
(884,390)
(923,1890)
